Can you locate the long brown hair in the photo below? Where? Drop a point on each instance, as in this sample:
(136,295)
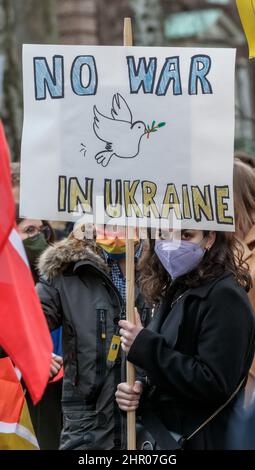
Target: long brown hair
(225,256)
(244,197)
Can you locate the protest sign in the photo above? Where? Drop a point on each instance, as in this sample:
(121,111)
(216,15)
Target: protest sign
(131,135)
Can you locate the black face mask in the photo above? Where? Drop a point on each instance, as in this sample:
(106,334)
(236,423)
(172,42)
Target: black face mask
(34,246)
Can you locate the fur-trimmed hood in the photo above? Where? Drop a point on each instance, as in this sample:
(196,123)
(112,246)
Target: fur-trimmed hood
(56,258)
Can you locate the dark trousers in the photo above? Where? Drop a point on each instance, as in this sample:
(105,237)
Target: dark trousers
(46,417)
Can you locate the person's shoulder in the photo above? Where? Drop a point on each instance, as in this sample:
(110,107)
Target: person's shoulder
(45,283)
(229,301)
(228,285)
(228,292)
(53,261)
(60,258)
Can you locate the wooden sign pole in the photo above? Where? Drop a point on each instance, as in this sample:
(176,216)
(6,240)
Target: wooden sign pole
(130,283)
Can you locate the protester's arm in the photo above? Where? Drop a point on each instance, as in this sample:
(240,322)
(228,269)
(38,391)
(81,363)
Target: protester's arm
(51,304)
(128,396)
(211,375)
(56,364)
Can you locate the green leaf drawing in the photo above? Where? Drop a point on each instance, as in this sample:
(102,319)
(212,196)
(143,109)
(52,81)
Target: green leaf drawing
(154,128)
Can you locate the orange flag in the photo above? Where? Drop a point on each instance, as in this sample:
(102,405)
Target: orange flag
(16,429)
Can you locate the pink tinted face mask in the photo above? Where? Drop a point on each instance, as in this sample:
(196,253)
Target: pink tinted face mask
(178,256)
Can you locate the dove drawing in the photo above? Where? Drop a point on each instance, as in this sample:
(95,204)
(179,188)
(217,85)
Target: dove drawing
(121,135)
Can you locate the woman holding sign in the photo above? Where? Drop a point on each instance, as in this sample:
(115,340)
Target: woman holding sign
(197,351)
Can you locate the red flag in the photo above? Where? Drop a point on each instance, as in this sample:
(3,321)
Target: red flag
(6,199)
(24,333)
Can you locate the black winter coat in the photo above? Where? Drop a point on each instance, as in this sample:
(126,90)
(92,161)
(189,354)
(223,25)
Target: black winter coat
(76,292)
(195,352)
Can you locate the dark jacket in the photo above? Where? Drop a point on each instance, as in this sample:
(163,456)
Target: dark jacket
(195,354)
(76,291)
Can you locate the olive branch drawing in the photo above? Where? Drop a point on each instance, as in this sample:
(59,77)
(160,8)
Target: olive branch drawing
(154,127)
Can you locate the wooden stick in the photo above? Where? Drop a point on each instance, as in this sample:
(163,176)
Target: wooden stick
(130,305)
(130,283)
(127,34)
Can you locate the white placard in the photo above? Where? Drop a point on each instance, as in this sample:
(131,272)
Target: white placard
(137,135)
